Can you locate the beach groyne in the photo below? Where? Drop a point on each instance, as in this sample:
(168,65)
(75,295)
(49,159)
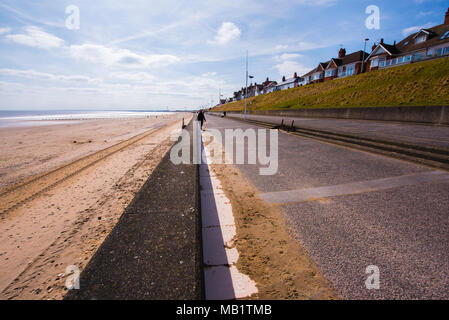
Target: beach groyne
(154,252)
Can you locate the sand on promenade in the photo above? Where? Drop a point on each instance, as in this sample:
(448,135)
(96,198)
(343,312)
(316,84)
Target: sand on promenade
(66,224)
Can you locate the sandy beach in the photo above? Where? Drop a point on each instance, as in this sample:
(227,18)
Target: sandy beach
(63,188)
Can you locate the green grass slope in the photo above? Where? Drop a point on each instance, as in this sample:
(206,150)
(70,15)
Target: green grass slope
(418,84)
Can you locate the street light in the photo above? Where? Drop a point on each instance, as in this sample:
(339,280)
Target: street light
(246,88)
(219,96)
(364,50)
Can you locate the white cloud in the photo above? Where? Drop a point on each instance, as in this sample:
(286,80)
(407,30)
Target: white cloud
(228,32)
(288,68)
(209,74)
(281,47)
(32,74)
(114,95)
(288,65)
(414,29)
(289,56)
(122,57)
(4,30)
(36,37)
(141,77)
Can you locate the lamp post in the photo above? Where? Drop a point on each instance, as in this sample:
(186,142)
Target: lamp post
(219,96)
(246,86)
(364,50)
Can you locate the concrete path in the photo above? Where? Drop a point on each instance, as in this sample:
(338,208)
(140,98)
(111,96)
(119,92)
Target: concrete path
(428,135)
(154,251)
(353,209)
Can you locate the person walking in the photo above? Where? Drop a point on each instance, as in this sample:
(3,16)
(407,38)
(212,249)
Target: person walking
(201,118)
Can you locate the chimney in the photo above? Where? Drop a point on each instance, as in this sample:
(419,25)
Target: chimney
(394,43)
(283,78)
(382,41)
(373,47)
(295,75)
(446,18)
(341,53)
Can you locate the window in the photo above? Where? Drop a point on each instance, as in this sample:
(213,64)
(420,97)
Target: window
(388,63)
(406,43)
(407,58)
(340,72)
(350,71)
(401,60)
(378,51)
(418,56)
(374,63)
(445,35)
(420,39)
(330,73)
(446,51)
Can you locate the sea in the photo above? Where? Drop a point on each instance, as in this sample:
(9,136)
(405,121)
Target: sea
(9,119)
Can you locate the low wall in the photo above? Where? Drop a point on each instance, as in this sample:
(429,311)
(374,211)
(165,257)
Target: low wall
(430,115)
(155,250)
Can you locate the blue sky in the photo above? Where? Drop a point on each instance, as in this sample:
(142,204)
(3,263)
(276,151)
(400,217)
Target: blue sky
(141,54)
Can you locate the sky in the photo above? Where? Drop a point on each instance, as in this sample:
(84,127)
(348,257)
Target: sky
(153,55)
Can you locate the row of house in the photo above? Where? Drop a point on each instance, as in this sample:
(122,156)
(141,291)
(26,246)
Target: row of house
(428,43)
(266,87)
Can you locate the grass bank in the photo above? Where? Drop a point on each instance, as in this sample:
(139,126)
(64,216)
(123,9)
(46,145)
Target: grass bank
(419,84)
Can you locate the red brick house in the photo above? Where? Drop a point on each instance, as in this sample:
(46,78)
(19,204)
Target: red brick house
(268,86)
(307,78)
(318,74)
(289,83)
(345,65)
(425,44)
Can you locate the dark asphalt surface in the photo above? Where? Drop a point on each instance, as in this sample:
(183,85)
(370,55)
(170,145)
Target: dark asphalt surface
(403,230)
(154,252)
(405,132)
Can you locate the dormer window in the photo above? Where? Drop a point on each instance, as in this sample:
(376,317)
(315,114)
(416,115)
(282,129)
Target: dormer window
(445,35)
(420,39)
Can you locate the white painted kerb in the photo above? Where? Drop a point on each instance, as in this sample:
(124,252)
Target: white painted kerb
(223,281)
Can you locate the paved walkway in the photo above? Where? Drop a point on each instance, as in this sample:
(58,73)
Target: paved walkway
(427,135)
(354,209)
